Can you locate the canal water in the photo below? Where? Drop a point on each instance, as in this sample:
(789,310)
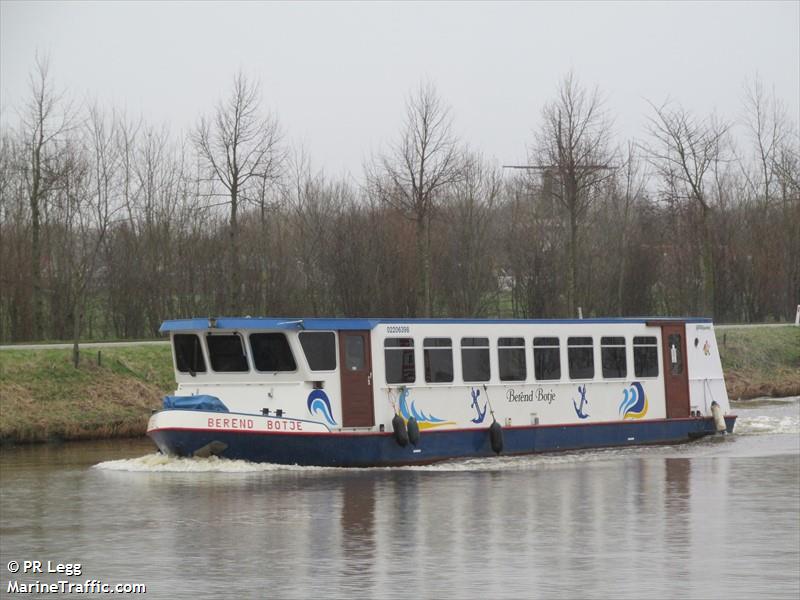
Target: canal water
(718,518)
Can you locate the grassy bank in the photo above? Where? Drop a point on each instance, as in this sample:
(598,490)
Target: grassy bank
(42,397)
(760,361)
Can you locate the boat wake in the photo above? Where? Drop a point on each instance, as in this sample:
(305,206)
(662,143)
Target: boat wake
(764,425)
(779,417)
(161,463)
(768,416)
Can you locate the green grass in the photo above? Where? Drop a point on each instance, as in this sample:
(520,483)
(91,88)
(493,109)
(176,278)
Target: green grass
(760,361)
(43,397)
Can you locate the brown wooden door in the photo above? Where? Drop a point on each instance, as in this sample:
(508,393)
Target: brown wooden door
(676,378)
(355,360)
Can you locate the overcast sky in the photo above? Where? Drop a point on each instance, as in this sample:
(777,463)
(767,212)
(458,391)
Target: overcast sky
(337,74)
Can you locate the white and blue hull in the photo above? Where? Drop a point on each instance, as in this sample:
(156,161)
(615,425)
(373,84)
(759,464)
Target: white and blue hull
(353,392)
(283,444)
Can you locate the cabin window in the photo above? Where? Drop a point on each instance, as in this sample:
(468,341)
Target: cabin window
(398,355)
(438,360)
(320,349)
(511,358)
(546,358)
(581,358)
(271,352)
(612,355)
(188,353)
(475,359)
(675,354)
(645,356)
(226,353)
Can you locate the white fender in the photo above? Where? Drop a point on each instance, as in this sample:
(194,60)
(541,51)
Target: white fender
(719,419)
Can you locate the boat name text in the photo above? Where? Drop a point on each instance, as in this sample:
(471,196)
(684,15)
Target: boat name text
(537,395)
(276,425)
(230,423)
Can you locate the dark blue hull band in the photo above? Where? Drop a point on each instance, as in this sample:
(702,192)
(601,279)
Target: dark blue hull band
(381,449)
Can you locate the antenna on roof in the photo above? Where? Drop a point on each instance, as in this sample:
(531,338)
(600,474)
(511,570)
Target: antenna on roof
(298,322)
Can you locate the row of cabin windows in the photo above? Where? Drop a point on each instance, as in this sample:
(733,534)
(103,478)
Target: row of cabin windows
(270,351)
(511,359)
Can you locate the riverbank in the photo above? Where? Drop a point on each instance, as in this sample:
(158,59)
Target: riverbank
(43,398)
(760,361)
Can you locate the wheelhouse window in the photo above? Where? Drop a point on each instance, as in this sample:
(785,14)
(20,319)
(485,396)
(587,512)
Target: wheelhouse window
(438,354)
(511,359)
(475,359)
(271,352)
(188,353)
(546,358)
(226,353)
(645,356)
(612,355)
(320,349)
(580,355)
(398,355)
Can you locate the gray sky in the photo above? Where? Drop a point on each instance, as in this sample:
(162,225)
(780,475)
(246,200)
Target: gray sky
(337,74)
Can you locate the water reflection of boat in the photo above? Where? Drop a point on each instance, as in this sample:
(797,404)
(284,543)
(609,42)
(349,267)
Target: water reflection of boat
(364,392)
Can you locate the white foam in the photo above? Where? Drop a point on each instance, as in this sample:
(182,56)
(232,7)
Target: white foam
(161,463)
(763,425)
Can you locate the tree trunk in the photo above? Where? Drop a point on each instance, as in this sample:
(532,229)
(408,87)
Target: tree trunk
(572,270)
(36,249)
(707,265)
(424,308)
(234,292)
(76,333)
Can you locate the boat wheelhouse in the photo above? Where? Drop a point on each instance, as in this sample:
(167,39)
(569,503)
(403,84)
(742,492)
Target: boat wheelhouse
(368,392)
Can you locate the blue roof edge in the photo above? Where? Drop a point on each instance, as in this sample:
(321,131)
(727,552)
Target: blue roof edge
(339,323)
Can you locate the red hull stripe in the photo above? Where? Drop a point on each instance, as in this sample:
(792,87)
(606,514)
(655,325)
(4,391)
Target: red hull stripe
(429,431)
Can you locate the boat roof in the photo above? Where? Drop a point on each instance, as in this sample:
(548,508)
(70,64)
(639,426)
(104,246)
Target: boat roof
(345,324)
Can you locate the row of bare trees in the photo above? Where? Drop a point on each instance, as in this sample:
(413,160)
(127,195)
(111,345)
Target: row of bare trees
(108,226)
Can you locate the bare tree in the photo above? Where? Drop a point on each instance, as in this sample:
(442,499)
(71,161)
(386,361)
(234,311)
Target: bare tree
(765,118)
(469,210)
(412,174)
(633,181)
(239,147)
(572,147)
(44,121)
(683,151)
(88,186)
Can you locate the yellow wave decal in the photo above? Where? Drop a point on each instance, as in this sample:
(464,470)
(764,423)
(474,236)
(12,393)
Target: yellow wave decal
(638,415)
(425,425)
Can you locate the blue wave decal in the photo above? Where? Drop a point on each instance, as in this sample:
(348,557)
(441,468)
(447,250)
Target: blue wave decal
(318,403)
(634,403)
(420,416)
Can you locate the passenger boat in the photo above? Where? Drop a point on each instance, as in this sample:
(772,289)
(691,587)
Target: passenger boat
(371,392)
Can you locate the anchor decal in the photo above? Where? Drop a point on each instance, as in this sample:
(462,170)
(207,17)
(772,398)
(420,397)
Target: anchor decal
(481,413)
(584,401)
